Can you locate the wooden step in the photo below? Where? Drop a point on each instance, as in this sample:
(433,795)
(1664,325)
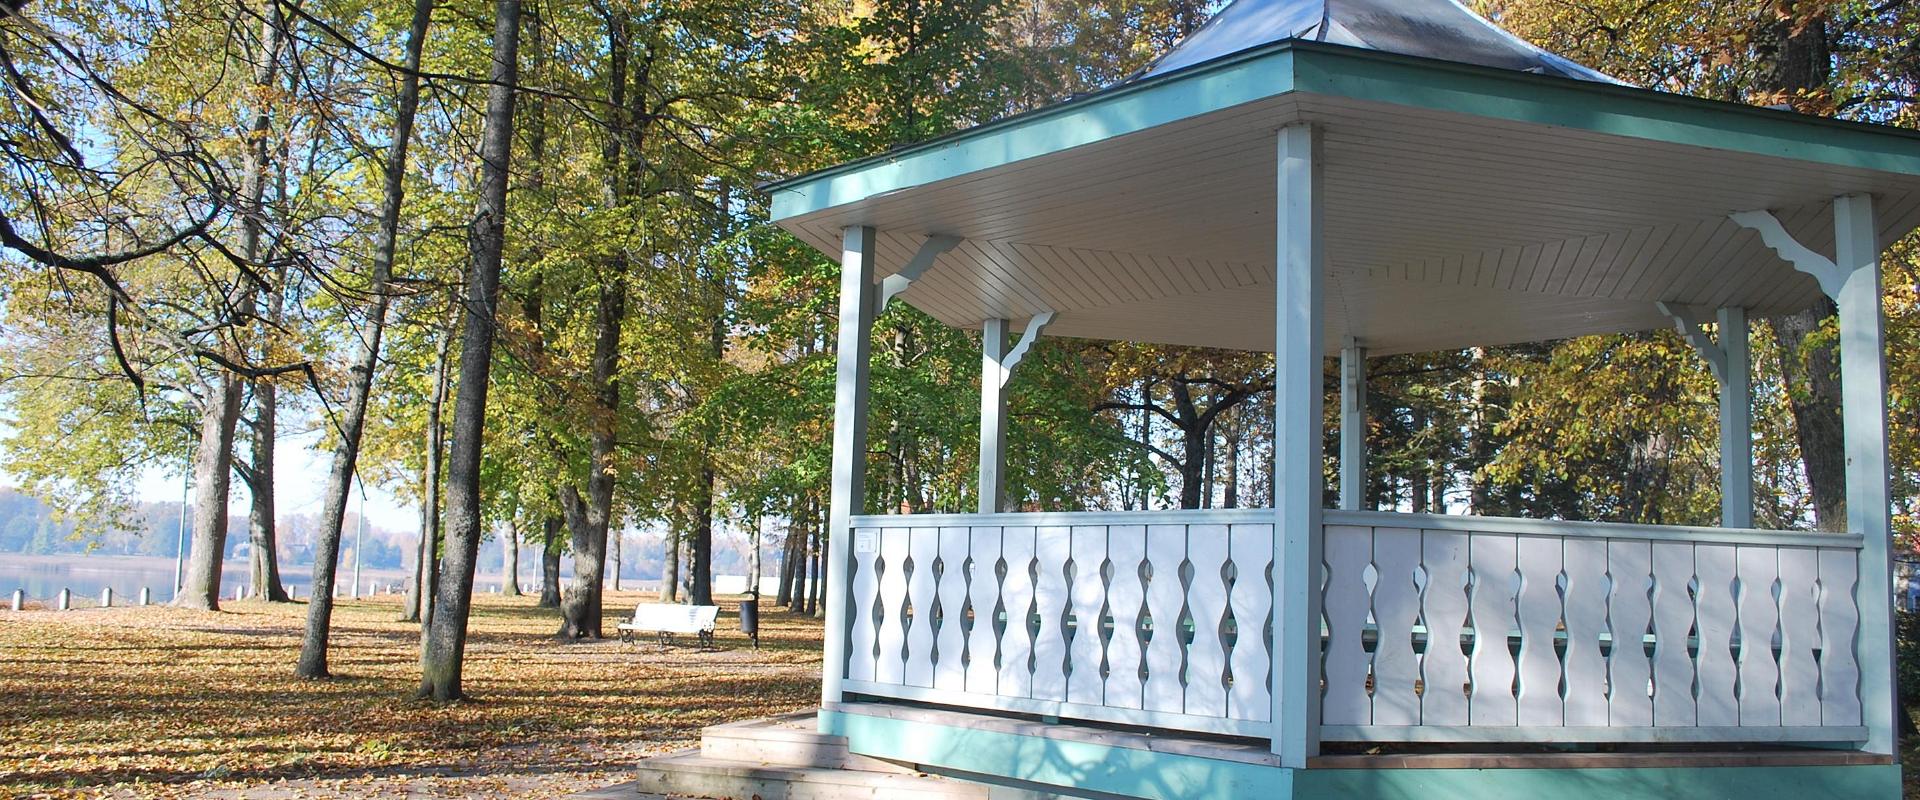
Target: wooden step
(787,741)
(689,773)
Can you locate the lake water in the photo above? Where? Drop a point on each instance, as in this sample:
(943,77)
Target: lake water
(44,576)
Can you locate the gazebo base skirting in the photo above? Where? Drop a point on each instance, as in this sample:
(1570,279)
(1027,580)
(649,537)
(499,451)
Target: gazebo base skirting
(1093,761)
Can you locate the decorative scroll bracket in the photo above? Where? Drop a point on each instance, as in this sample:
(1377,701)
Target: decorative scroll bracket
(1802,257)
(898,282)
(1027,337)
(1691,321)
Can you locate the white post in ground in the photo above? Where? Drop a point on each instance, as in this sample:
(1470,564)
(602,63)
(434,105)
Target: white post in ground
(66,600)
(1736,421)
(1863,403)
(146,596)
(847,495)
(106,597)
(993,416)
(1353,425)
(1852,279)
(1297,467)
(19,599)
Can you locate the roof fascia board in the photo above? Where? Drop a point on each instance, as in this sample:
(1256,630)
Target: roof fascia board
(1334,70)
(1182,95)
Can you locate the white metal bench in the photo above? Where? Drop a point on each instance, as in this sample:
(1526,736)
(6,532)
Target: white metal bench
(666,619)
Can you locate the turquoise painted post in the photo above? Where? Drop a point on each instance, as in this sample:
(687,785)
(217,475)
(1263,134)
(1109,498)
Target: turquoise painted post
(1297,450)
(1736,421)
(1863,400)
(849,443)
(993,415)
(1353,425)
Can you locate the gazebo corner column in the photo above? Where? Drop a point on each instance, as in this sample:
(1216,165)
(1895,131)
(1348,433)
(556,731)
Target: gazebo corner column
(1863,382)
(1297,535)
(1852,279)
(1731,364)
(1353,425)
(847,493)
(993,416)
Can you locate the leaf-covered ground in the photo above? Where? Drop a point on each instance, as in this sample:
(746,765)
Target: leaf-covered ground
(162,702)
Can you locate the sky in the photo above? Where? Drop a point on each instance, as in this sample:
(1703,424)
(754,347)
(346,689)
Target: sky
(300,477)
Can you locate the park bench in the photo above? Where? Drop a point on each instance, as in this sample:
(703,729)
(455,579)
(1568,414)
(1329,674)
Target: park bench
(666,619)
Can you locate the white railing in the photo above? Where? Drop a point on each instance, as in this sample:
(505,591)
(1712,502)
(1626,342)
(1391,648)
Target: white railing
(1476,629)
(1154,619)
(1561,631)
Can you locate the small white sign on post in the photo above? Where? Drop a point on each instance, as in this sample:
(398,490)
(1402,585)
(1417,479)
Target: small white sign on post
(865,542)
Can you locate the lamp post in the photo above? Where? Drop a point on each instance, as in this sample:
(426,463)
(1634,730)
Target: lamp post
(359,536)
(180,534)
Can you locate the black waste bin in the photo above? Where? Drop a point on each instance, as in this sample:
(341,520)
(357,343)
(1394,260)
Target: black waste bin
(750,617)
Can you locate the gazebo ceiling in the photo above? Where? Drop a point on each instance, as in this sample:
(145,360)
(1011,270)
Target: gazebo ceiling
(1465,205)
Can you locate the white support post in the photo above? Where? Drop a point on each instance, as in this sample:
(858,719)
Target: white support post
(1863,401)
(1297,450)
(849,443)
(993,416)
(1852,279)
(1731,365)
(1736,421)
(1353,425)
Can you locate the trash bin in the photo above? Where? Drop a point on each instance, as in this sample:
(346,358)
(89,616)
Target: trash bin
(750,617)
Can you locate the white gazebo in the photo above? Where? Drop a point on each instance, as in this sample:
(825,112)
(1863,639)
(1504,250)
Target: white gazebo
(1343,178)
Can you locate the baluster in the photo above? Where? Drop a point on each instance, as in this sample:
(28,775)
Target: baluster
(924,545)
(1126,548)
(1713,569)
(1539,665)
(1348,551)
(1250,698)
(1629,615)
(1759,567)
(1443,668)
(1839,621)
(1491,665)
(890,665)
(1166,600)
(983,599)
(862,632)
(949,666)
(1207,604)
(1053,547)
(1396,607)
(1586,616)
(1086,682)
(1016,640)
(1673,619)
(1799,635)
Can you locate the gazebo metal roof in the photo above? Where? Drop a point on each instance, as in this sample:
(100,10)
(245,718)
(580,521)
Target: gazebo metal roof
(1440,29)
(1466,203)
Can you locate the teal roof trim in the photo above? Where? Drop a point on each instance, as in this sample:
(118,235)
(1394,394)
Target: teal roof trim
(1109,114)
(1335,70)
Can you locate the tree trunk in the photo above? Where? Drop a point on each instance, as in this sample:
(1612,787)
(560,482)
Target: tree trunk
(701,579)
(346,455)
(212,471)
(580,610)
(550,562)
(670,572)
(510,559)
(263,563)
(213,462)
(1801,62)
(426,559)
(753,557)
(1812,373)
(445,638)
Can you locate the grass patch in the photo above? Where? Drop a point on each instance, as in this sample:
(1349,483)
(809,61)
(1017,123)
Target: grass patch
(167,702)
